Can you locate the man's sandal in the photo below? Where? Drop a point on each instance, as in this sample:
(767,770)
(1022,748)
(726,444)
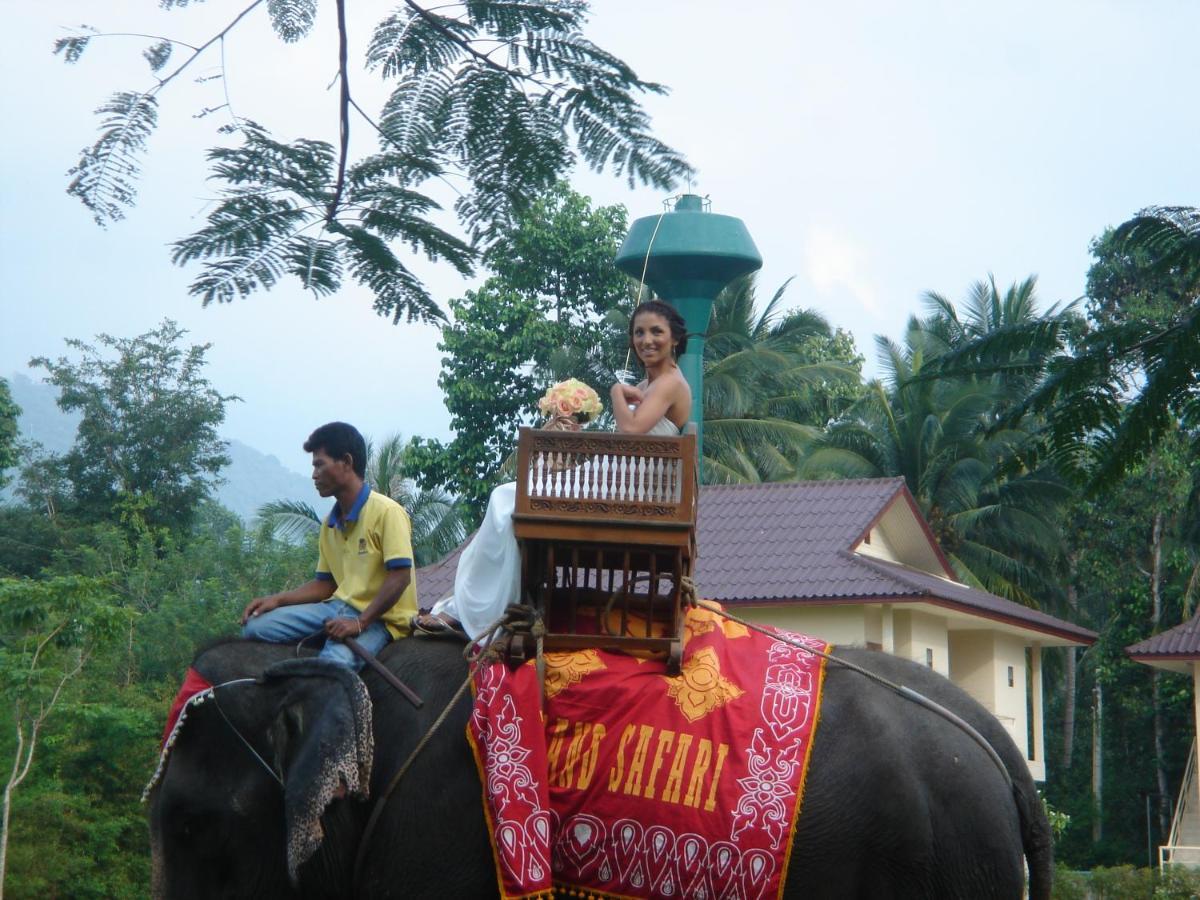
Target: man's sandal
(437,625)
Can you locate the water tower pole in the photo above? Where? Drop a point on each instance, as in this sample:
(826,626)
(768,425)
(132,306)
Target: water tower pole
(689,255)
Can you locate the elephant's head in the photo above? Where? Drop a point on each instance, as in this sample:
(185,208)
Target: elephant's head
(243,797)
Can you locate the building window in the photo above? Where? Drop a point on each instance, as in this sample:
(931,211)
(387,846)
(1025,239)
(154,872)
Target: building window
(1010,676)
(929,657)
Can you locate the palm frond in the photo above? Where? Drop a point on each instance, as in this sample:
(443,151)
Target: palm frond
(290,520)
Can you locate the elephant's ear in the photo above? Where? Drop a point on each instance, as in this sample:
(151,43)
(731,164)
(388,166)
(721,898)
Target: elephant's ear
(324,745)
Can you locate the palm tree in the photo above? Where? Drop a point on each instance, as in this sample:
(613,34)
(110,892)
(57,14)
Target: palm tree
(438,520)
(991,510)
(1135,376)
(772,381)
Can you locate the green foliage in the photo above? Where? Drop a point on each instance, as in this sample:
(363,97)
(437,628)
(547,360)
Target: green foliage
(147,448)
(772,380)
(939,422)
(8,431)
(78,827)
(1059,820)
(292,19)
(107,172)
(1068,884)
(72,46)
(506,95)
(1111,546)
(1177,883)
(1125,883)
(279,191)
(555,308)
(1134,373)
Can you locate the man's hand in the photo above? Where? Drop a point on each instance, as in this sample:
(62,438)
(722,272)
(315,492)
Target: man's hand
(258,606)
(344,627)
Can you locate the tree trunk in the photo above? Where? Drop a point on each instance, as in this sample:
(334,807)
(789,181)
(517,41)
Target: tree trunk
(1156,548)
(20,768)
(1068,719)
(1069,676)
(1097,763)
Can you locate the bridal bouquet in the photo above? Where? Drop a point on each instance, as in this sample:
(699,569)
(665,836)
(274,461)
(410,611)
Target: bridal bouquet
(571,398)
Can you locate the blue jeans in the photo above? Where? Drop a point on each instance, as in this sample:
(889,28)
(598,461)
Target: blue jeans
(290,624)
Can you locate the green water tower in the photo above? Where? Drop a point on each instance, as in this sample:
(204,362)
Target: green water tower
(688,254)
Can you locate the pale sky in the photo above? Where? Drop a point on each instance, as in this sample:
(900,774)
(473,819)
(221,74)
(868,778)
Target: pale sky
(875,150)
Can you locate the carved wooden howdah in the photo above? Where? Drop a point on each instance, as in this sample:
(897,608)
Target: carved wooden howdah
(606,524)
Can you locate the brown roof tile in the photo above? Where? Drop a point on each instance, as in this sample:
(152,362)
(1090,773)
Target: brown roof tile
(1180,642)
(781,541)
(790,542)
(935,589)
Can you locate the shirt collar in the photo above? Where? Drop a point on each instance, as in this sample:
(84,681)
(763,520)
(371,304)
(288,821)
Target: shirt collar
(336,520)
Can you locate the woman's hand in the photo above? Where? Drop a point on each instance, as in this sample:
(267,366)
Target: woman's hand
(626,394)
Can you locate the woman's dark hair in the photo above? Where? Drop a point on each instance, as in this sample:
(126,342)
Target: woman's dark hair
(668,312)
(338,439)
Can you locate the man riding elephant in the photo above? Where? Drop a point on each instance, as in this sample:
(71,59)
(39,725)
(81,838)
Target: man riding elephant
(364,586)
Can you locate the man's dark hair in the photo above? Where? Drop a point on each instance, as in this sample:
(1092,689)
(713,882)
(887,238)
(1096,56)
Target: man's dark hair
(338,439)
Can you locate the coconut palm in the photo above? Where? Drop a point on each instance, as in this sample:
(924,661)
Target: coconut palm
(772,381)
(992,511)
(438,520)
(1134,376)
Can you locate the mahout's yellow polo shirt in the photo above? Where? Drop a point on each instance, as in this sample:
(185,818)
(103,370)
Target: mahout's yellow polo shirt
(357,550)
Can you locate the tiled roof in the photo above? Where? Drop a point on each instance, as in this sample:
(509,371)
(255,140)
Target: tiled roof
(781,541)
(437,581)
(1180,642)
(942,591)
(790,542)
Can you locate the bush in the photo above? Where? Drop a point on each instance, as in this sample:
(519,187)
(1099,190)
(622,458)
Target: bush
(1069,884)
(1178,884)
(1125,883)
(1122,883)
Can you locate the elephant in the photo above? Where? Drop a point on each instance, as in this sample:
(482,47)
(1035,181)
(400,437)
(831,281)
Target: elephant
(899,801)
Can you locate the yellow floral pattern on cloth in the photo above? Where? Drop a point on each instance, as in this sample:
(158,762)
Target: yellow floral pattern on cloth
(566,669)
(704,618)
(700,688)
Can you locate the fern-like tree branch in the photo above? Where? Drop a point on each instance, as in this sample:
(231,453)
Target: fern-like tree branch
(506,93)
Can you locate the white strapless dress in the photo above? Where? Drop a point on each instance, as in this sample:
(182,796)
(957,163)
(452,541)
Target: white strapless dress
(488,578)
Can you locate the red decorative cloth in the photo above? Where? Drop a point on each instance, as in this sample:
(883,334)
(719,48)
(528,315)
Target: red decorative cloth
(193,684)
(646,785)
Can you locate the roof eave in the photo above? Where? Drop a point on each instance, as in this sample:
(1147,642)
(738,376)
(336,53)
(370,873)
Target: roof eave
(1081,638)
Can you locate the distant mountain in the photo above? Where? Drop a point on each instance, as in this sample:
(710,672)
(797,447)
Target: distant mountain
(250,480)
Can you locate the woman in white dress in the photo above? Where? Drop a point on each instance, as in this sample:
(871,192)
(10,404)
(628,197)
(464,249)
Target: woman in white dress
(488,578)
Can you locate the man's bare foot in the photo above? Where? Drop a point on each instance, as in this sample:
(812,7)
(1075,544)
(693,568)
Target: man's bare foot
(437,625)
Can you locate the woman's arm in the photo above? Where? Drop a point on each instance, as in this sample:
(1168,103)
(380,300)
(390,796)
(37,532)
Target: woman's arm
(654,403)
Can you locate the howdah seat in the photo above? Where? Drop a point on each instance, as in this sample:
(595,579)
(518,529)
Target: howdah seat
(606,525)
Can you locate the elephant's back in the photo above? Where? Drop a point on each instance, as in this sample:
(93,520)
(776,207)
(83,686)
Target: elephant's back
(899,802)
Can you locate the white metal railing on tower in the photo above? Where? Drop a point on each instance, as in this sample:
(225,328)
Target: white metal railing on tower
(1180,848)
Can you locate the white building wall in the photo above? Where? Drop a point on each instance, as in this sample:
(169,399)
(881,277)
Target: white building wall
(836,624)
(922,638)
(971,665)
(977,660)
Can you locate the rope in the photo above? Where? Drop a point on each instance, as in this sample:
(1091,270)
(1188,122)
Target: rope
(240,736)
(487,649)
(688,595)
(360,857)
(645,266)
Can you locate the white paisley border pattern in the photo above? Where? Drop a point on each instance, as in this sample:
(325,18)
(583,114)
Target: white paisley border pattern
(521,823)
(789,701)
